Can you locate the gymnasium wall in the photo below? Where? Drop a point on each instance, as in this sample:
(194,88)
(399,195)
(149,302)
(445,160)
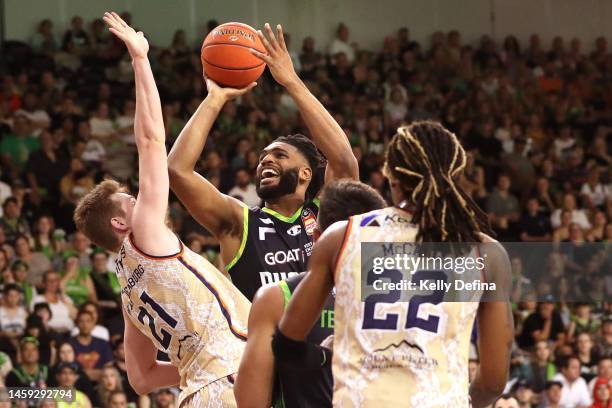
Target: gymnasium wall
(369,20)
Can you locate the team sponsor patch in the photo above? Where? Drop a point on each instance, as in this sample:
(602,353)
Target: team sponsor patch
(309,220)
(295,230)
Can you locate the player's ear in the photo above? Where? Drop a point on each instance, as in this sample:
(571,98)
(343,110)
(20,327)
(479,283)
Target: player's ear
(119,224)
(305,174)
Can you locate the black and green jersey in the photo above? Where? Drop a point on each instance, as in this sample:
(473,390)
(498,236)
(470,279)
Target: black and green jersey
(300,388)
(273,247)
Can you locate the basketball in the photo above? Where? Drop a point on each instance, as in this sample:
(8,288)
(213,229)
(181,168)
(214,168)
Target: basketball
(226,58)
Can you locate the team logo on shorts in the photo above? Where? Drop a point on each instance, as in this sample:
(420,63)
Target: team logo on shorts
(309,220)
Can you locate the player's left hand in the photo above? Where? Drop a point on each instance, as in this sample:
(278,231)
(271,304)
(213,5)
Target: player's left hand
(278,58)
(136,43)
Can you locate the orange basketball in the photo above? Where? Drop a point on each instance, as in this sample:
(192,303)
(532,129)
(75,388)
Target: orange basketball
(226,58)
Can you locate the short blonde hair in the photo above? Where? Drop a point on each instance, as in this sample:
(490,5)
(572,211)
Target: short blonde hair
(94,212)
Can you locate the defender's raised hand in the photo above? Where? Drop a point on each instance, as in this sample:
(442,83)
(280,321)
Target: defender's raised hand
(136,43)
(278,58)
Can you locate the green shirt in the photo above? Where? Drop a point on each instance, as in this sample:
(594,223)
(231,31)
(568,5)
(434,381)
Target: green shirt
(19,147)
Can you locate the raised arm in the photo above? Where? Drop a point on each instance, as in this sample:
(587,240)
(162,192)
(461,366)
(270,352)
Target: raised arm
(326,134)
(148,217)
(218,213)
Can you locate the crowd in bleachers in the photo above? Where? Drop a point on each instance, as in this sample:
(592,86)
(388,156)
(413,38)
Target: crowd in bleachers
(535,118)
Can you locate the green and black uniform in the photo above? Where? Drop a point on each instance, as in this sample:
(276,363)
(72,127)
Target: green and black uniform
(306,388)
(273,247)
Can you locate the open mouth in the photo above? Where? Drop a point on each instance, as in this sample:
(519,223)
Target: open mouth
(268,176)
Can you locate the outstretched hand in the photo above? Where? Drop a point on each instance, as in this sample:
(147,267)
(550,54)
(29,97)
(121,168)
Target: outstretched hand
(226,94)
(136,43)
(278,58)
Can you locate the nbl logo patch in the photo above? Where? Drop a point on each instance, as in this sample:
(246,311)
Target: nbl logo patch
(309,220)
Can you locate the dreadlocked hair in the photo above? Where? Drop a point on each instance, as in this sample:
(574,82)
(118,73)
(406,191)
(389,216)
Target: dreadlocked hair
(315,159)
(427,160)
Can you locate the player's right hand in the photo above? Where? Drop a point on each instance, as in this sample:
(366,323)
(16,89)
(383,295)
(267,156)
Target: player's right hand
(136,43)
(226,94)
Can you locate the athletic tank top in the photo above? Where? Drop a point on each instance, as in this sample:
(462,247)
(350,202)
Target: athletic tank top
(301,389)
(409,353)
(188,309)
(77,290)
(273,247)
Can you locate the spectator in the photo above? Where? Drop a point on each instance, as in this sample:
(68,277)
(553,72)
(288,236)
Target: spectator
(520,168)
(533,226)
(506,401)
(117,399)
(165,398)
(597,233)
(578,216)
(12,318)
(245,189)
(76,282)
(582,322)
(553,395)
(16,147)
(35,327)
(604,373)
(6,366)
(76,39)
(30,373)
(66,355)
(105,282)
(20,271)
(44,41)
(593,192)
(110,382)
(61,306)
(587,356)
(575,392)
(47,240)
(340,44)
(604,341)
(37,262)
(540,369)
(66,378)
(602,396)
(30,108)
(80,244)
(544,324)
(98,331)
(12,221)
(45,169)
(91,352)
(102,127)
(503,208)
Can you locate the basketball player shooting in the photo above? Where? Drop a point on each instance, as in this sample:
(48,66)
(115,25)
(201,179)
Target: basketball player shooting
(387,352)
(264,245)
(263,382)
(173,299)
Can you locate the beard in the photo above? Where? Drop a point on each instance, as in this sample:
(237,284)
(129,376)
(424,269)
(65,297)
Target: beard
(287,184)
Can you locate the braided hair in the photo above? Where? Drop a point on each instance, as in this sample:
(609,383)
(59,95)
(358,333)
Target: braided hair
(315,159)
(427,160)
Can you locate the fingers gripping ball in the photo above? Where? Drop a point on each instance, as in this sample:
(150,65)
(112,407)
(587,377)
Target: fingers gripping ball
(226,58)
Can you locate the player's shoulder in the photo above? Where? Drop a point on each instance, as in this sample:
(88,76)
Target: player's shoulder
(268,303)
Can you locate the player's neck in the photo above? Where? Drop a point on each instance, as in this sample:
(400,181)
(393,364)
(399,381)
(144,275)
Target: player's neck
(286,205)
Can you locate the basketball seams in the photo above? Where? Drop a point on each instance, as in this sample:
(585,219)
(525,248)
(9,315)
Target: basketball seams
(232,44)
(232,69)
